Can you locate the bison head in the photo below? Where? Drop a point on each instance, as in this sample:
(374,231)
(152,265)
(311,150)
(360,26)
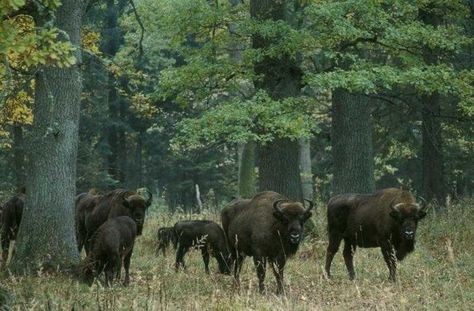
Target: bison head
(137,206)
(293,215)
(407,216)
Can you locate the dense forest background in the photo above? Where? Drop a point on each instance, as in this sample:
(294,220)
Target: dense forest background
(309,98)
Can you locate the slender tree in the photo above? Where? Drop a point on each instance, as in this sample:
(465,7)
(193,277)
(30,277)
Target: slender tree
(46,235)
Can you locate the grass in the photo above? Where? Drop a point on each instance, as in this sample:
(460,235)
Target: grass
(439,275)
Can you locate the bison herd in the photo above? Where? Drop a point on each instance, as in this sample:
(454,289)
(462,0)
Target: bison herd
(268,227)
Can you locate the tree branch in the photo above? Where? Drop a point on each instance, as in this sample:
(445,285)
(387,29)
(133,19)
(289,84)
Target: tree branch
(139,20)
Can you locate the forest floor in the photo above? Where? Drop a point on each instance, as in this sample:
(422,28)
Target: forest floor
(439,275)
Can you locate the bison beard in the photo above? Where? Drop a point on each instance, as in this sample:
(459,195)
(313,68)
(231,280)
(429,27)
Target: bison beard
(387,219)
(269,227)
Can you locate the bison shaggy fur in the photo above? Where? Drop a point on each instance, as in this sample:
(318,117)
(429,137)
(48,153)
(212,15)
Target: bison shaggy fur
(10,222)
(111,245)
(387,219)
(205,235)
(269,227)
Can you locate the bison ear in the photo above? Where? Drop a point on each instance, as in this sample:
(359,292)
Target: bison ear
(421,215)
(307,215)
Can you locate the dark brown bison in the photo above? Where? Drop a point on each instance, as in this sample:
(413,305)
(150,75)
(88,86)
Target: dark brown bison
(387,219)
(111,245)
(269,227)
(93,210)
(205,235)
(11,218)
(165,237)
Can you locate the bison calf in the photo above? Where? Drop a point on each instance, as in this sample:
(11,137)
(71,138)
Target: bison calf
(269,227)
(111,245)
(387,219)
(206,235)
(165,236)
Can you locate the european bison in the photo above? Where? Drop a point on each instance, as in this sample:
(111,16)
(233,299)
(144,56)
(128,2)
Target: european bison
(387,219)
(166,235)
(269,227)
(111,245)
(206,235)
(11,218)
(93,210)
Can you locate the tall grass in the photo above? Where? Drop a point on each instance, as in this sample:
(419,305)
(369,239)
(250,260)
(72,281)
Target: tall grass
(439,275)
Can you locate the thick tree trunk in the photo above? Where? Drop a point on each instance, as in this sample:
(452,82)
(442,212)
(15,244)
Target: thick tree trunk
(19,155)
(46,235)
(353,158)
(247,176)
(279,168)
(281,77)
(305,168)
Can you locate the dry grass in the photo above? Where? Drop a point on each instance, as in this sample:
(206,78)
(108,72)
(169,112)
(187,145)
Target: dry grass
(439,275)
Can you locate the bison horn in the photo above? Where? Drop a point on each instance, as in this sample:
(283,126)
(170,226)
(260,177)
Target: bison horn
(424,205)
(276,205)
(311,205)
(396,207)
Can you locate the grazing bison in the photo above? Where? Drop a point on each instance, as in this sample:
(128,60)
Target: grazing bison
(10,222)
(93,210)
(269,227)
(111,245)
(206,235)
(166,235)
(387,219)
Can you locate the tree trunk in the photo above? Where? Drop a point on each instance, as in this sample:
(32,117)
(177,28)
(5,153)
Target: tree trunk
(432,150)
(305,168)
(19,155)
(279,168)
(281,78)
(247,176)
(46,235)
(351,140)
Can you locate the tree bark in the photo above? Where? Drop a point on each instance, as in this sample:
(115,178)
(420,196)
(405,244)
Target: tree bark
(281,77)
(351,141)
(305,168)
(46,237)
(432,149)
(247,175)
(19,155)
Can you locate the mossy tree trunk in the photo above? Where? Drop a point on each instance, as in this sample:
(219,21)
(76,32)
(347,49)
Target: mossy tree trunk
(281,77)
(351,140)
(46,236)
(19,155)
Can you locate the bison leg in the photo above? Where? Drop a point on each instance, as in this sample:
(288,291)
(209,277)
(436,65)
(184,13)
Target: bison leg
(239,260)
(278,267)
(205,258)
(126,264)
(390,259)
(180,256)
(349,250)
(261,266)
(333,247)
(5,247)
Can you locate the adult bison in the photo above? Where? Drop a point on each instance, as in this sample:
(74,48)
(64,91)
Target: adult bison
(205,235)
(269,227)
(93,210)
(387,219)
(10,222)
